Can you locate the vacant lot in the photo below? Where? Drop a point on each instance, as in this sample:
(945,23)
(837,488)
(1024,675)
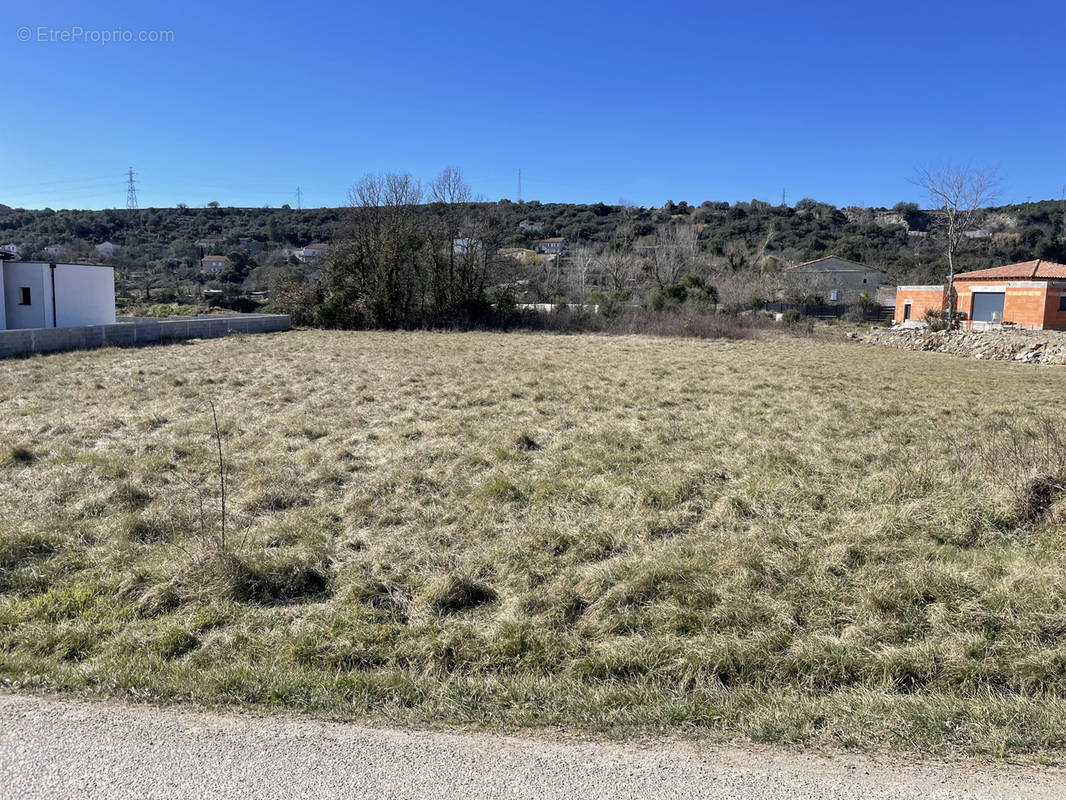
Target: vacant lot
(784,539)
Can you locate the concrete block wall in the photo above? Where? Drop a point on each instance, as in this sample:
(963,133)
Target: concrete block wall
(141,331)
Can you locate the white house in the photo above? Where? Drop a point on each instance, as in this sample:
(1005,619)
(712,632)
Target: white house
(41,295)
(10,248)
(55,250)
(312,252)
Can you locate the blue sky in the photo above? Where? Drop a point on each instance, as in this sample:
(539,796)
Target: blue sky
(594,101)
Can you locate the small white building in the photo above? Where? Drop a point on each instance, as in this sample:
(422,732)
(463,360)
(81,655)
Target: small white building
(312,252)
(10,248)
(42,295)
(107,249)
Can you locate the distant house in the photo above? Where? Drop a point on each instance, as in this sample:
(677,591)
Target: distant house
(977,233)
(13,249)
(249,245)
(55,250)
(834,279)
(530,225)
(213,264)
(554,245)
(1031,294)
(209,244)
(108,249)
(312,252)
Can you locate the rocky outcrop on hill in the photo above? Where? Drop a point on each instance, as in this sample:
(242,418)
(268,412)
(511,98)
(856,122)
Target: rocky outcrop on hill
(1033,347)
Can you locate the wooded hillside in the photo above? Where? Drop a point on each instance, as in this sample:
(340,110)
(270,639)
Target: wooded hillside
(741,239)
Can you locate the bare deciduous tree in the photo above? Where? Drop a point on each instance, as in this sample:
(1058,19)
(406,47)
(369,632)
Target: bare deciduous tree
(958,194)
(673,251)
(376,264)
(583,262)
(621,269)
(449,187)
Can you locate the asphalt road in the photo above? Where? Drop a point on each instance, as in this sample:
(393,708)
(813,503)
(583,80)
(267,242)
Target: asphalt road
(66,749)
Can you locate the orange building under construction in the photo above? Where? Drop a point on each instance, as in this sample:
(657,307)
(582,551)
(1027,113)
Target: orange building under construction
(1031,294)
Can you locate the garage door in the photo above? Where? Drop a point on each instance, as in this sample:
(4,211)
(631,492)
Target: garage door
(987,304)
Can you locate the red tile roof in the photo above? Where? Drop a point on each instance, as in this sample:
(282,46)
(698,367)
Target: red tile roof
(1026,270)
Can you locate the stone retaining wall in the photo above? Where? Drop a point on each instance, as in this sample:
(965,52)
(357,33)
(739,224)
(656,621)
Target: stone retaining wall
(130,334)
(1034,347)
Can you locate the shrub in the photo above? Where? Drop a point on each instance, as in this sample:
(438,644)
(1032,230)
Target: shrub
(295,299)
(655,301)
(505,303)
(691,291)
(936,320)
(610,305)
(792,316)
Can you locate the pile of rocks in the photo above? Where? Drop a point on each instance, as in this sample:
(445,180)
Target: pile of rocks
(1034,347)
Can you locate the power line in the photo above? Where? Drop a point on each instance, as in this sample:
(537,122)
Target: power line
(519,186)
(131,193)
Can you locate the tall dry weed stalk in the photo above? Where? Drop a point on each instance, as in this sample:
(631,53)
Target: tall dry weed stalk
(213,540)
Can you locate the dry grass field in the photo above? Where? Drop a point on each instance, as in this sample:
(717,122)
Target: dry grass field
(783,539)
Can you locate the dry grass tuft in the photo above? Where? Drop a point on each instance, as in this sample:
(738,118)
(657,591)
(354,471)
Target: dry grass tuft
(454,593)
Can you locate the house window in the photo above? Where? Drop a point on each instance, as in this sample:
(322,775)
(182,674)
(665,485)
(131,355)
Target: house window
(1062,302)
(24,292)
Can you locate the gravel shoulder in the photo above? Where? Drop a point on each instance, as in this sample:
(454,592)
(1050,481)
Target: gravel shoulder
(53,748)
